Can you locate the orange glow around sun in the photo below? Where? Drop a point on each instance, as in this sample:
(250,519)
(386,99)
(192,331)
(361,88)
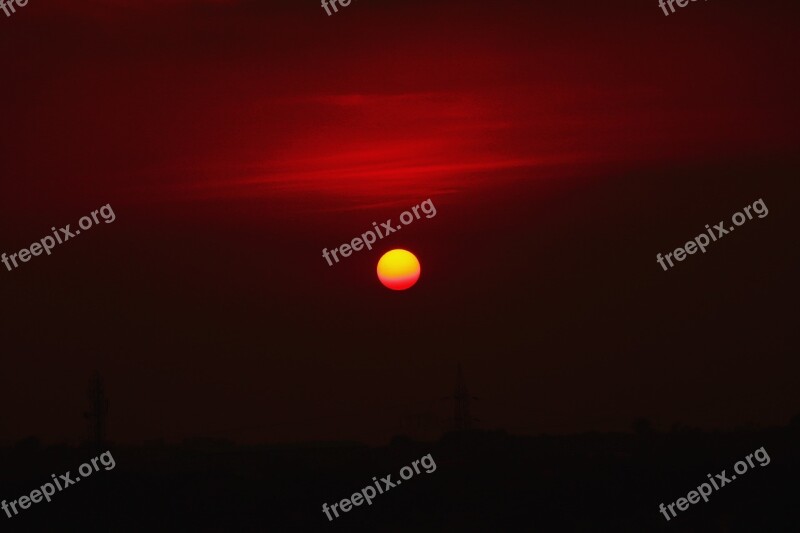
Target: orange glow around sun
(398,269)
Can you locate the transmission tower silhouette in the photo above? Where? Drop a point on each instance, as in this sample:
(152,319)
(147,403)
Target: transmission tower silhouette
(462,418)
(97,415)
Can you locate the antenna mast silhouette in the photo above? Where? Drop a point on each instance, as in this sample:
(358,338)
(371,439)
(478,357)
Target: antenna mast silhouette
(98,413)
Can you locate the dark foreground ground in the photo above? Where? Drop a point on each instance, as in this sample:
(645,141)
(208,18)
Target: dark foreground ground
(483,481)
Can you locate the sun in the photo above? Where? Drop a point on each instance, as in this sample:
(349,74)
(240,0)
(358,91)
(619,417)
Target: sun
(398,269)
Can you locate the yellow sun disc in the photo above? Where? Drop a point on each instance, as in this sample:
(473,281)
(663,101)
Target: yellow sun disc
(398,269)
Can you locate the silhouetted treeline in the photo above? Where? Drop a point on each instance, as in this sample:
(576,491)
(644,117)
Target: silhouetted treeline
(484,481)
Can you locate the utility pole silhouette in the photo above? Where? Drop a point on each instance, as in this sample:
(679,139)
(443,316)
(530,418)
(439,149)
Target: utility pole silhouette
(98,412)
(462,419)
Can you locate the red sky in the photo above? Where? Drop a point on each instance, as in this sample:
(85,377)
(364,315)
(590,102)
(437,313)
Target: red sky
(235,140)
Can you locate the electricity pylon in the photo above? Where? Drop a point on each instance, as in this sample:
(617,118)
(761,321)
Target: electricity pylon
(98,411)
(462,419)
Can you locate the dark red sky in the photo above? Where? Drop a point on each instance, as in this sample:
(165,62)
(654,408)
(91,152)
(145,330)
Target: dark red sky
(563,146)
